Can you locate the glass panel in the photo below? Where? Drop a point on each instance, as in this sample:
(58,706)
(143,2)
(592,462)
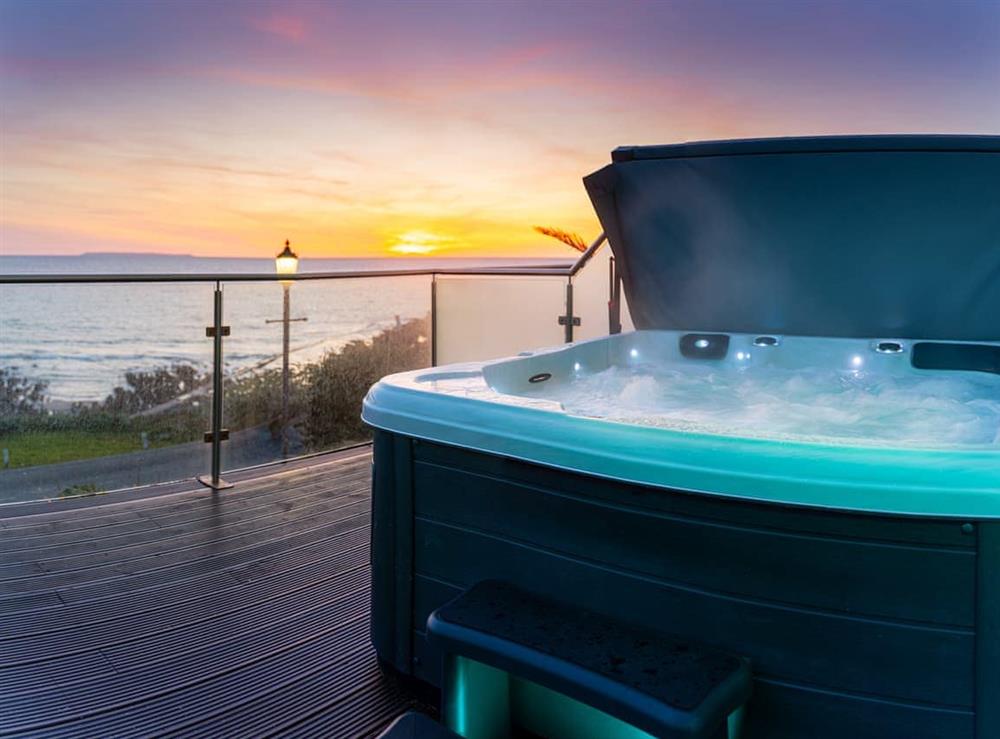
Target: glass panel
(590,296)
(479,318)
(627,324)
(355,331)
(101,386)
(591,292)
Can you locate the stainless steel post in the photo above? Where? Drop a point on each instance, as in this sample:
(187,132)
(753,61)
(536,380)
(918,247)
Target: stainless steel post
(614,298)
(569,321)
(216,436)
(434,326)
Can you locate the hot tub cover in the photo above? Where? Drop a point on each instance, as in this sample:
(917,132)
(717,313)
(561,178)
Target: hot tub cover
(873,236)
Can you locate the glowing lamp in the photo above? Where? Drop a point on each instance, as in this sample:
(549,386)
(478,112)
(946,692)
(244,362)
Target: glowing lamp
(286,263)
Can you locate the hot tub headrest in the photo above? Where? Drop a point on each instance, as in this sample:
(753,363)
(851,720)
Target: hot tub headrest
(873,236)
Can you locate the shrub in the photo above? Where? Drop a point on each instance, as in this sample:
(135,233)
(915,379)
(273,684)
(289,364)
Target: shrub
(255,399)
(337,384)
(19,395)
(148,389)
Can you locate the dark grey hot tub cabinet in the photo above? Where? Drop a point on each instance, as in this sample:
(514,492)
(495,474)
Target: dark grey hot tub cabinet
(856,625)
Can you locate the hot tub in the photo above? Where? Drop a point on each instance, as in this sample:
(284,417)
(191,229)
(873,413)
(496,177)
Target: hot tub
(859,571)
(767,470)
(844,424)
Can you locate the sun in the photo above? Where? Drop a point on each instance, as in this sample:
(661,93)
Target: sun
(415,242)
(408,248)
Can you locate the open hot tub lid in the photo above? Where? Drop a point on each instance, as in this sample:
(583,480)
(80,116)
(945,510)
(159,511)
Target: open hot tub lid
(870,236)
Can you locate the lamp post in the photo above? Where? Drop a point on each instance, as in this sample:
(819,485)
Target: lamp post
(286,263)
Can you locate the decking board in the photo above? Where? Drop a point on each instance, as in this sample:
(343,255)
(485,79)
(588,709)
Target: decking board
(195,613)
(63,573)
(157,527)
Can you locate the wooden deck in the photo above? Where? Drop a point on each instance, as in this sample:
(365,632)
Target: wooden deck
(240,613)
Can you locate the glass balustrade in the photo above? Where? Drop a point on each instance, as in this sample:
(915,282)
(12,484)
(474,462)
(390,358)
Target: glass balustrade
(343,335)
(110,384)
(102,386)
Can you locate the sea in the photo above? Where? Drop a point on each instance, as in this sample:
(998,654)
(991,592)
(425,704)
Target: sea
(81,339)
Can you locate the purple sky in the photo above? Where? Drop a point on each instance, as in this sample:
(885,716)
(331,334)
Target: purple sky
(375,127)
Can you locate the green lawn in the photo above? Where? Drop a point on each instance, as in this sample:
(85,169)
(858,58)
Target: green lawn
(48,447)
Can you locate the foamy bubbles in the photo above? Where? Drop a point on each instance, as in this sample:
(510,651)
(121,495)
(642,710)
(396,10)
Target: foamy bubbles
(933,410)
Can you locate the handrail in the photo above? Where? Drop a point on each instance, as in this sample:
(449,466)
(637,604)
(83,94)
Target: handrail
(585,257)
(557,270)
(35,279)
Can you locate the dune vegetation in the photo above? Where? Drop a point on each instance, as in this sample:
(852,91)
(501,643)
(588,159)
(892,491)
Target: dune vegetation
(170,405)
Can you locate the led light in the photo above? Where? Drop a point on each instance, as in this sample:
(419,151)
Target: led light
(857,361)
(576,366)
(741,356)
(634,353)
(702,343)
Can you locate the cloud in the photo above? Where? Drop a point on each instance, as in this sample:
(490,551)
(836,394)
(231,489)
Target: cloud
(287,27)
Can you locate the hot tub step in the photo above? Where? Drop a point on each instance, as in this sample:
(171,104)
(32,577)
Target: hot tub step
(514,659)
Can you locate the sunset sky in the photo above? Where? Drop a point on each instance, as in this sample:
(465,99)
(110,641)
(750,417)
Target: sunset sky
(376,128)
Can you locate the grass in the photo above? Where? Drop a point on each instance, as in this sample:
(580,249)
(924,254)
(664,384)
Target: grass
(74,491)
(31,448)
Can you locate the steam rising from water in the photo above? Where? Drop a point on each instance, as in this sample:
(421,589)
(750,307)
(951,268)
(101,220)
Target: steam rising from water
(816,404)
